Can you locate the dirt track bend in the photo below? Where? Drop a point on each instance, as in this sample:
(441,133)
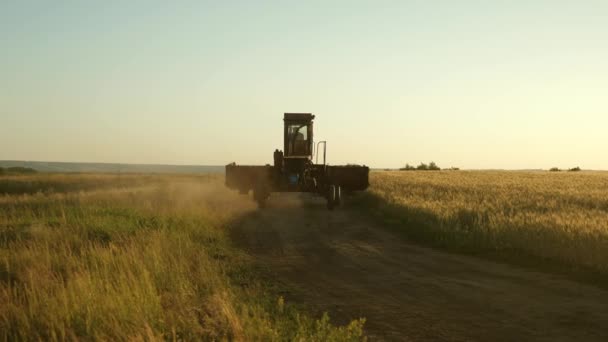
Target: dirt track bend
(344,263)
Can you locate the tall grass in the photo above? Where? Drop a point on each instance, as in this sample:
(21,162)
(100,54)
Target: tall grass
(107,257)
(561,217)
(49,183)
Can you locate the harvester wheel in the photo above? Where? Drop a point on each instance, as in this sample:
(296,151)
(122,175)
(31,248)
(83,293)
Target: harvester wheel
(260,194)
(338,195)
(331,197)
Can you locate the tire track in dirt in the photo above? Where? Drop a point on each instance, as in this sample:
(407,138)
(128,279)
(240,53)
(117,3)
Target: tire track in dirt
(346,264)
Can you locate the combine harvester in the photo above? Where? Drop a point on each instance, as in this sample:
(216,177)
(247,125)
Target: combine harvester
(294,170)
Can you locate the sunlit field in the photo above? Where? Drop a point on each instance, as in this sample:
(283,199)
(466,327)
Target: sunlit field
(117,257)
(561,217)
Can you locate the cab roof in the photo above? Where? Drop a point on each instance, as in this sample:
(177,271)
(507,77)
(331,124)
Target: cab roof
(299,117)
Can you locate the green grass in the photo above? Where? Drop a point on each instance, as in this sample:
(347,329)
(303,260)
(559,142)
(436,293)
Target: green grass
(105,257)
(53,183)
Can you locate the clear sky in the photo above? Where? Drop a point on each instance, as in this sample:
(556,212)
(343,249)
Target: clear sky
(474,84)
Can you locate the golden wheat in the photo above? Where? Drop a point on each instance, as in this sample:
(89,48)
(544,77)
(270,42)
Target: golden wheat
(556,216)
(115,257)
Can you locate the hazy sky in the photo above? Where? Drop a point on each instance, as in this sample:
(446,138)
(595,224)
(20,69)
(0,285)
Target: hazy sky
(474,84)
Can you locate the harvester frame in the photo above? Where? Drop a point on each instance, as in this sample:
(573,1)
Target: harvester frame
(293,169)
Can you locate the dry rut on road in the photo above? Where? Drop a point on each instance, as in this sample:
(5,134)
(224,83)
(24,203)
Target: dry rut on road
(346,264)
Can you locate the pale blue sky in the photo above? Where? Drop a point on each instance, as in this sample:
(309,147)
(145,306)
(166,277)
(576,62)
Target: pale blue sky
(474,84)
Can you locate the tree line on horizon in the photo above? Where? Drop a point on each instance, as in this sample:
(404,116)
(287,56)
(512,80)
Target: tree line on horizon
(557,169)
(432,166)
(17,169)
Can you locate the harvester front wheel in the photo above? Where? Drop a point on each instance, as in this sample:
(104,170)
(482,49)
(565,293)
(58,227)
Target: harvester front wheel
(338,199)
(260,195)
(331,197)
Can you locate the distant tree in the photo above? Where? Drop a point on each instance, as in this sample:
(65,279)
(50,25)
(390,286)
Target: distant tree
(407,167)
(454,168)
(554,169)
(422,167)
(575,169)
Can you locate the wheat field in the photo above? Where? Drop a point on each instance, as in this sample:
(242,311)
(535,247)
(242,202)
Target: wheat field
(135,257)
(144,257)
(558,216)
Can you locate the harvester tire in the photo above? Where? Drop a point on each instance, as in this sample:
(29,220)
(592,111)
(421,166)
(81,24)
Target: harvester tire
(338,199)
(260,194)
(331,197)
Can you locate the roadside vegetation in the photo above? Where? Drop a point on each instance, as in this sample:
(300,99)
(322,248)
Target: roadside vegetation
(538,218)
(122,257)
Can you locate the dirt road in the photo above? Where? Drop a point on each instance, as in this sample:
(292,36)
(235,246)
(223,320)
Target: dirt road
(344,263)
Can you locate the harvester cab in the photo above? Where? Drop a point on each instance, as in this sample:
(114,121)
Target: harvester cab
(294,171)
(298,135)
(292,163)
